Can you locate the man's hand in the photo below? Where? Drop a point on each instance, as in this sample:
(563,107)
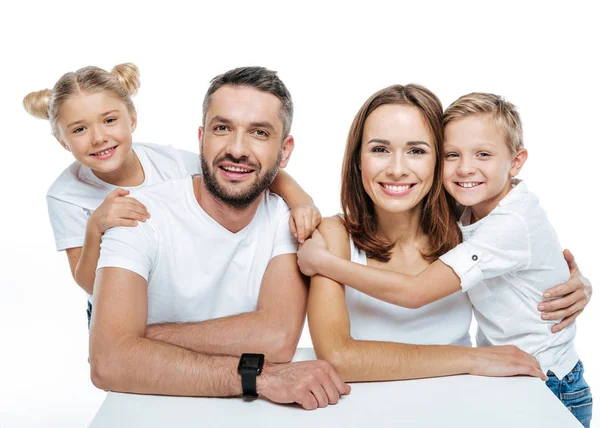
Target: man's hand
(311,384)
(568,299)
(505,361)
(311,253)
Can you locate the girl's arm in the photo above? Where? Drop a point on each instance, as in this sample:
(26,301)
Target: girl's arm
(305,215)
(116,210)
(366,360)
(434,283)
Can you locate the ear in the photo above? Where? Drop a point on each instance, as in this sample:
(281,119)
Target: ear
(133,123)
(518,162)
(62,143)
(200,138)
(286,151)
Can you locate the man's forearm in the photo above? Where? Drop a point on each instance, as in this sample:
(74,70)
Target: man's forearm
(144,366)
(247,332)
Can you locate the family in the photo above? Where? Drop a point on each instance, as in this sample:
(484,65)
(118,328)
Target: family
(194,277)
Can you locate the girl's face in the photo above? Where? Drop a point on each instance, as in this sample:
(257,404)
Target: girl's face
(96,128)
(397,157)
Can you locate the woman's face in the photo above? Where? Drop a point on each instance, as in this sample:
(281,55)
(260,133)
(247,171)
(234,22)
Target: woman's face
(397,158)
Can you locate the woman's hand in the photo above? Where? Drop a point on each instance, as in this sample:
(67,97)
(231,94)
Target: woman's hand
(304,220)
(312,253)
(117,210)
(568,299)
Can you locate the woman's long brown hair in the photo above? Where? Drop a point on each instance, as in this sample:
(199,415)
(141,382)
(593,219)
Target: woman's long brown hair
(438,219)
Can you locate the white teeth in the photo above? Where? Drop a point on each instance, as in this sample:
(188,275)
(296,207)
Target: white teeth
(235,169)
(468,185)
(105,152)
(397,188)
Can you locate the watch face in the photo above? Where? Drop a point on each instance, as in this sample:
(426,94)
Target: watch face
(251,362)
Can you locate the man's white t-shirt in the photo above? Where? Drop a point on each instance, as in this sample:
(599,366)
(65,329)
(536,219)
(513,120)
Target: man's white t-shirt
(506,262)
(77,192)
(195,268)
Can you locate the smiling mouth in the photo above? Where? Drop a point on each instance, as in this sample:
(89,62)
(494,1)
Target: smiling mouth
(469,185)
(236,169)
(396,187)
(104,152)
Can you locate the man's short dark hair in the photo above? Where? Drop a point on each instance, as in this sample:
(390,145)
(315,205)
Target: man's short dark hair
(259,78)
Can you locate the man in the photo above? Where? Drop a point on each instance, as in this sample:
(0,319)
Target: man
(212,275)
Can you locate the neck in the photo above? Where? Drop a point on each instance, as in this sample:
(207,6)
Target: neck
(231,218)
(482,209)
(403,228)
(129,174)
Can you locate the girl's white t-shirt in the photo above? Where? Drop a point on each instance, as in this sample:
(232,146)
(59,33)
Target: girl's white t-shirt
(77,192)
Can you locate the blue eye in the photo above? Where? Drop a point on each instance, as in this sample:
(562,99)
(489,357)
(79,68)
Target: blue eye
(451,155)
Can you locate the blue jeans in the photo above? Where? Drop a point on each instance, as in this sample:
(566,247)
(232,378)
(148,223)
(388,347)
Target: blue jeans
(574,393)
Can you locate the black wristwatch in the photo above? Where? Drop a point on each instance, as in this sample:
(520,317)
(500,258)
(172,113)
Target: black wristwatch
(250,366)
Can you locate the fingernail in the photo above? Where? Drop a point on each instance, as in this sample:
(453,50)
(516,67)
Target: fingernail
(547,295)
(541,308)
(544,316)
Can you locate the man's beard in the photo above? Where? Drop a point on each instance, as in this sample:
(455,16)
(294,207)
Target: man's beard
(238,200)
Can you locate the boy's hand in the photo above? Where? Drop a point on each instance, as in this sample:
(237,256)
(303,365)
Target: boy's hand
(312,252)
(568,299)
(117,210)
(304,220)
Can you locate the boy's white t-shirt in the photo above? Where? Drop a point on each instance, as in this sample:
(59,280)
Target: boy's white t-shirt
(195,268)
(77,192)
(506,262)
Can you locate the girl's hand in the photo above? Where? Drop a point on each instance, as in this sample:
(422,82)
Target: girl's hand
(117,210)
(304,220)
(311,253)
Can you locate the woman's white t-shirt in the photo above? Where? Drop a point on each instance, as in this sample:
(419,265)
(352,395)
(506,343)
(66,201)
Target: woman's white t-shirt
(445,322)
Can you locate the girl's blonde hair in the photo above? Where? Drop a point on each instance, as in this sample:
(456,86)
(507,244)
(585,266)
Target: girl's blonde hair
(122,81)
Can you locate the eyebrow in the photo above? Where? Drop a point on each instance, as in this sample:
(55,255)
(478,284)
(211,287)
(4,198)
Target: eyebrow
(222,119)
(103,114)
(387,142)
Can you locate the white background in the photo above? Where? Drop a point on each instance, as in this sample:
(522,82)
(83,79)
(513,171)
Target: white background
(541,56)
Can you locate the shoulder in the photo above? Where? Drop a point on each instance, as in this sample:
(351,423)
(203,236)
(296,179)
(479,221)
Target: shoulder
(164,192)
(336,236)
(71,175)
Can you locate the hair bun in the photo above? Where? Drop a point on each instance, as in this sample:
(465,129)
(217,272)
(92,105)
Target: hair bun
(128,75)
(36,103)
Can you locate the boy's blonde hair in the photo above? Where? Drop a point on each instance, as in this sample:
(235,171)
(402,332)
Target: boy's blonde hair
(123,82)
(504,113)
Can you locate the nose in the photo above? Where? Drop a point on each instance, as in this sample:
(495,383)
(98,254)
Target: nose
(238,146)
(98,135)
(465,168)
(397,166)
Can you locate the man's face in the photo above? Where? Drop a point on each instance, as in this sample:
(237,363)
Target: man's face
(242,145)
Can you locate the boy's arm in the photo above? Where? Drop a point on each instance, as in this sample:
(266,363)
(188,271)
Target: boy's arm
(305,215)
(568,299)
(434,283)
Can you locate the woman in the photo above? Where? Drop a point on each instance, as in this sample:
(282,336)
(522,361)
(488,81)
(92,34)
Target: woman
(397,217)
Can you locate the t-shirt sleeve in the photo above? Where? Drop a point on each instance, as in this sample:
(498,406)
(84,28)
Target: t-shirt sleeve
(191,161)
(131,248)
(499,246)
(285,242)
(68,223)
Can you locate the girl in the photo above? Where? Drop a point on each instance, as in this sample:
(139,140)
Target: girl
(92,116)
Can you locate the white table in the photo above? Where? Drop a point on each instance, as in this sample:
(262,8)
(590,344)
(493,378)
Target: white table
(454,401)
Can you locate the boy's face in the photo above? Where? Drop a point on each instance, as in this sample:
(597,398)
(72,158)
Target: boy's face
(477,163)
